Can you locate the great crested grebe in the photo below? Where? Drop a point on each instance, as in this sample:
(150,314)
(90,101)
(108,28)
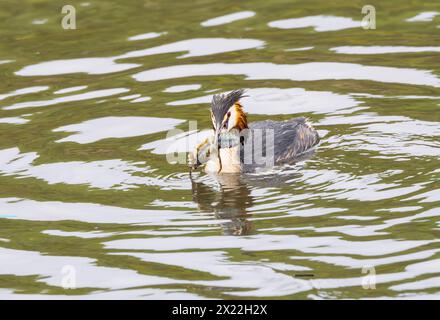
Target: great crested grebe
(237,146)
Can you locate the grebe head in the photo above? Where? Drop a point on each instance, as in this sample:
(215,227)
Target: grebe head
(227,114)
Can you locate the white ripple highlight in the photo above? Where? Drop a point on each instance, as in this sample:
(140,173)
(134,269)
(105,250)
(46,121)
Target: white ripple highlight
(228,18)
(80,65)
(115,174)
(382,49)
(310,71)
(424,16)
(320,23)
(23,91)
(70,89)
(183,88)
(198,47)
(77,97)
(14,120)
(103,65)
(145,36)
(115,127)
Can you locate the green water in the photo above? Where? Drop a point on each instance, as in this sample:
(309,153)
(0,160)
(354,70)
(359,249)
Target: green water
(85,184)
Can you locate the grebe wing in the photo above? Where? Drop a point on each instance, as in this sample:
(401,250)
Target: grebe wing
(292,137)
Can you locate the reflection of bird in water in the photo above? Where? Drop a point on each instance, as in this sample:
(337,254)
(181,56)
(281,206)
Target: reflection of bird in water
(228,198)
(237,146)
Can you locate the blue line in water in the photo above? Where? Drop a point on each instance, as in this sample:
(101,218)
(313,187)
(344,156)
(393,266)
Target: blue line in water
(8,216)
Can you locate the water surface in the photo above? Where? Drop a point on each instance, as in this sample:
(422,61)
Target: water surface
(85,184)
